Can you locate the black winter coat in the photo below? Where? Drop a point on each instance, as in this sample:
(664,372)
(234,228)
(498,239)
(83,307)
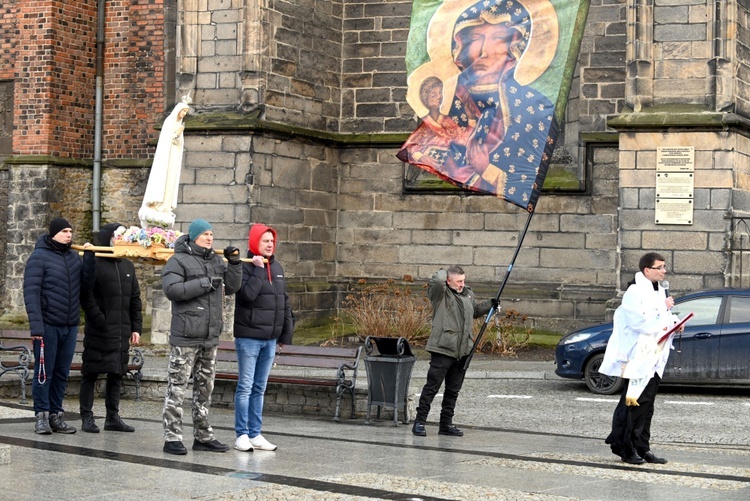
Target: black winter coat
(262,309)
(52,287)
(197,305)
(113,312)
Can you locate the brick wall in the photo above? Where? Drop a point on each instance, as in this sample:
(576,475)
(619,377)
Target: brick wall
(55,84)
(8,41)
(134,62)
(54,93)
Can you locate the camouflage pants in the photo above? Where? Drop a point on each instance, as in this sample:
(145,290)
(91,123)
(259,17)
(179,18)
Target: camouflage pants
(183,360)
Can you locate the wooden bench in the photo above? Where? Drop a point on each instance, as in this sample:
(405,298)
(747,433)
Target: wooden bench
(340,359)
(20,341)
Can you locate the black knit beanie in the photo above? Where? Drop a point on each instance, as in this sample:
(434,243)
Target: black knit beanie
(57,225)
(104,235)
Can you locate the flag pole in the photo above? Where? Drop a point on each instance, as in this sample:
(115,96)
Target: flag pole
(499,292)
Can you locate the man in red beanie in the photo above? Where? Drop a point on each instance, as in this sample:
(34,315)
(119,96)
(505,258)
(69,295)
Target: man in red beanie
(51,292)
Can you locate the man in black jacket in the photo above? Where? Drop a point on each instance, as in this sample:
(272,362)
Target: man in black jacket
(112,304)
(262,319)
(51,292)
(195,279)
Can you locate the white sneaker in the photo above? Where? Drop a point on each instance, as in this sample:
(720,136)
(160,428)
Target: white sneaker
(262,444)
(243,443)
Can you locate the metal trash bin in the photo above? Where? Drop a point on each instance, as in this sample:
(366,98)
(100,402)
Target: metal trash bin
(389,363)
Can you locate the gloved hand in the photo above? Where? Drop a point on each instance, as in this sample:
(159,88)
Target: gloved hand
(232,254)
(495,304)
(216,283)
(205,283)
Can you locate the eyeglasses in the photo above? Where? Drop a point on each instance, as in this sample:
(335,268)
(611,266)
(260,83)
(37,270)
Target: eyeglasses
(662,268)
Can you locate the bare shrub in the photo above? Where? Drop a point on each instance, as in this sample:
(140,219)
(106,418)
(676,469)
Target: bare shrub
(388,310)
(506,333)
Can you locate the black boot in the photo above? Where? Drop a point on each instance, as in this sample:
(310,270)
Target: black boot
(88,425)
(58,424)
(114,423)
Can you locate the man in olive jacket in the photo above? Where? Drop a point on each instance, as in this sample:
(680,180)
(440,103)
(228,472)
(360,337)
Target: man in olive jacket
(195,279)
(453,312)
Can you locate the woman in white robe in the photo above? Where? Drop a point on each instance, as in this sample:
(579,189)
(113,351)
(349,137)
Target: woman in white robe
(160,198)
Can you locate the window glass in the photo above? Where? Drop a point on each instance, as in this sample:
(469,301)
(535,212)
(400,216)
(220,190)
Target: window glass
(706,310)
(739,310)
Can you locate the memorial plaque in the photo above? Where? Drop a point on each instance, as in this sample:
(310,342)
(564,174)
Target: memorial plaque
(675,158)
(674,185)
(674,211)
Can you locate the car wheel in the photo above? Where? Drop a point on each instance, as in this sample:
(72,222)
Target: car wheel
(600,383)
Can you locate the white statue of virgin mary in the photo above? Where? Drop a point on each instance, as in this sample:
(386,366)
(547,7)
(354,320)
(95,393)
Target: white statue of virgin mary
(160,198)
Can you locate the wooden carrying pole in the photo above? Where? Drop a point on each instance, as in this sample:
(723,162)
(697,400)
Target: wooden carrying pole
(104,251)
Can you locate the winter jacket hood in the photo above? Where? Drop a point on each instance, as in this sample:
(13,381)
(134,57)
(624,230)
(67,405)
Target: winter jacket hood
(253,238)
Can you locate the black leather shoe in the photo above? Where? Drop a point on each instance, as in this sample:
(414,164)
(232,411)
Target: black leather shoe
(114,423)
(418,429)
(451,431)
(212,446)
(175,447)
(633,459)
(650,458)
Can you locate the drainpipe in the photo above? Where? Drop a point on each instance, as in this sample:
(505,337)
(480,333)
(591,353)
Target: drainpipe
(96,189)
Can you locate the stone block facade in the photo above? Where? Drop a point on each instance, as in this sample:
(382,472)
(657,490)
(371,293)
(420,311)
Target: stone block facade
(299,109)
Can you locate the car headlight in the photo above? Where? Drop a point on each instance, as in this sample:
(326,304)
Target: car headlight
(575,338)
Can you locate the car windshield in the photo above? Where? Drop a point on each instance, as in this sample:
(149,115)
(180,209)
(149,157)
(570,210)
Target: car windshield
(705,309)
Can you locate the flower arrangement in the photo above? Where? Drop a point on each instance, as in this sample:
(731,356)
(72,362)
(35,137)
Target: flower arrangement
(147,237)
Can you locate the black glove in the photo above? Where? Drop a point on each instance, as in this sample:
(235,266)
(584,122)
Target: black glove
(232,254)
(495,304)
(216,283)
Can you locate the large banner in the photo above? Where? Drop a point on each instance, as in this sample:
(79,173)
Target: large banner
(489,80)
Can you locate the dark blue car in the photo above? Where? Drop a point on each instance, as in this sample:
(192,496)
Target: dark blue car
(714,349)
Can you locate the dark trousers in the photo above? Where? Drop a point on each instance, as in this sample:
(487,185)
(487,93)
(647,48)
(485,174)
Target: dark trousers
(442,368)
(631,426)
(59,348)
(112,392)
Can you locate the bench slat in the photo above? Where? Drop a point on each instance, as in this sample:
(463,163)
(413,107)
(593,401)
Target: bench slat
(322,351)
(294,361)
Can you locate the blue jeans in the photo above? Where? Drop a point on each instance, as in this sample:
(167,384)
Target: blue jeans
(59,347)
(255,359)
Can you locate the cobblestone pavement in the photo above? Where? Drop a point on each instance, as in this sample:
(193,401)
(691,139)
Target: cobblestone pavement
(528,436)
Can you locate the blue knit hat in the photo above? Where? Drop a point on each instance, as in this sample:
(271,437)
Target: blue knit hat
(197,228)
